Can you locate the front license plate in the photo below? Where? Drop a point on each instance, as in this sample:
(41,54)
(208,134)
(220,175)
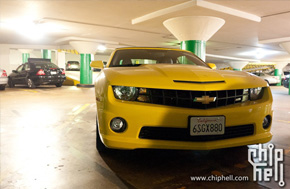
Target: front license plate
(207,125)
(53,72)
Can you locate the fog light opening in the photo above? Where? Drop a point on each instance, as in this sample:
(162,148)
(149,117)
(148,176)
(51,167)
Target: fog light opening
(118,124)
(267,122)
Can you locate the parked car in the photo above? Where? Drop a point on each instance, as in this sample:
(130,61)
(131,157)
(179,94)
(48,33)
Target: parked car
(286,81)
(37,72)
(284,77)
(269,78)
(3,79)
(170,99)
(72,66)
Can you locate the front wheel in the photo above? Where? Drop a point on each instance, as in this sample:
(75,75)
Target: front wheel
(30,83)
(58,84)
(2,87)
(99,144)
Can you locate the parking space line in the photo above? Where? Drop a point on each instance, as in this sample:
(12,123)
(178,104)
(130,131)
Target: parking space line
(284,121)
(82,108)
(33,91)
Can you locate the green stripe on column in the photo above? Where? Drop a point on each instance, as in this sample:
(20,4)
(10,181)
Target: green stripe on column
(85,70)
(25,57)
(237,69)
(46,54)
(277,73)
(198,47)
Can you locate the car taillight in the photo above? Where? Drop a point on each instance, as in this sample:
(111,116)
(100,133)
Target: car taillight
(40,72)
(4,74)
(63,72)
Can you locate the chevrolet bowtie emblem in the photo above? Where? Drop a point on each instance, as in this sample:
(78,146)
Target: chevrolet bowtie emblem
(204,99)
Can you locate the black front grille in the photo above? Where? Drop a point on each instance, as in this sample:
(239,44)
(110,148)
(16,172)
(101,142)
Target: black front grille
(182,134)
(187,99)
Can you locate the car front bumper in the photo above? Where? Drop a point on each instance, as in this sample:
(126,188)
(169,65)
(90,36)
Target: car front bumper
(138,115)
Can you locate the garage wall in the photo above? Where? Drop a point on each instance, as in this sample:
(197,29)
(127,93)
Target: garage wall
(11,57)
(4,59)
(72,57)
(15,57)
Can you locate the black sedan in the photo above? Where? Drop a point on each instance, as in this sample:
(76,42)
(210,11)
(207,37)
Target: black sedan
(37,72)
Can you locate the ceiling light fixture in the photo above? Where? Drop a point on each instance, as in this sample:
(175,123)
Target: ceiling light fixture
(31,29)
(24,27)
(231,58)
(259,53)
(102,48)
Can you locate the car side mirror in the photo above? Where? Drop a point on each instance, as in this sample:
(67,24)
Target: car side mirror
(97,64)
(211,65)
(14,71)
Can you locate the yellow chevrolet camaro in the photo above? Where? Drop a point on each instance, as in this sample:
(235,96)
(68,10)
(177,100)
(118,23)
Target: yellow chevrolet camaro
(170,99)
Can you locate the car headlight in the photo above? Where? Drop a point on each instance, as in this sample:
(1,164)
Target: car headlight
(255,93)
(125,93)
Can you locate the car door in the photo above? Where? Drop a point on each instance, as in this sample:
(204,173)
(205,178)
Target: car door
(24,73)
(16,76)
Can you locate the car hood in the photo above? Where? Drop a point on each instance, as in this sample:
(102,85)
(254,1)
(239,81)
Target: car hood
(178,76)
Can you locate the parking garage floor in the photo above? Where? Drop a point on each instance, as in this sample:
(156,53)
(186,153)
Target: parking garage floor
(48,139)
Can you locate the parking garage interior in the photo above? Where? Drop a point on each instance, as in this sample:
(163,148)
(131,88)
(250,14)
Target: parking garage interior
(48,133)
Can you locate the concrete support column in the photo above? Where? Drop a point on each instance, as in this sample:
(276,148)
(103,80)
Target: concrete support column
(238,65)
(278,72)
(85,70)
(46,54)
(85,49)
(198,47)
(194,31)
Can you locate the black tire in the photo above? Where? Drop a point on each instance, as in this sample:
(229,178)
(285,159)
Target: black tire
(11,83)
(2,87)
(58,84)
(30,83)
(99,144)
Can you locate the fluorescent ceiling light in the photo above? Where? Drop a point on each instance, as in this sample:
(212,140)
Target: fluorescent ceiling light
(102,48)
(231,58)
(31,29)
(259,53)
(24,27)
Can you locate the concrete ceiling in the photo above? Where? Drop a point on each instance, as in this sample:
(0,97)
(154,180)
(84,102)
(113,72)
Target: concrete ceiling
(109,22)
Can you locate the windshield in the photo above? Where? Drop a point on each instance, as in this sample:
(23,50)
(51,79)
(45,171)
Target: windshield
(137,57)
